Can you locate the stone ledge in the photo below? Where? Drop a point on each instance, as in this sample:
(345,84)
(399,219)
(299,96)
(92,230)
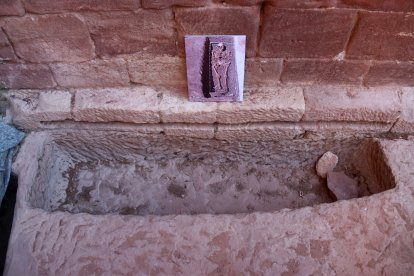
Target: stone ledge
(405,123)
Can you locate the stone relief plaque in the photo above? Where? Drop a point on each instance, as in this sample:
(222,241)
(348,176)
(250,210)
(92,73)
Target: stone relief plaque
(215,67)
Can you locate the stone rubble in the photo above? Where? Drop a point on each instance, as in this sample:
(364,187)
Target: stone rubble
(326,164)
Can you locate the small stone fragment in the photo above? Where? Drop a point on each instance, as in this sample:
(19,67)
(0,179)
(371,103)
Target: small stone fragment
(326,164)
(342,185)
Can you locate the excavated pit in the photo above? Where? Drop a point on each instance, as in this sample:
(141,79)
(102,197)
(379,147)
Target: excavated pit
(101,172)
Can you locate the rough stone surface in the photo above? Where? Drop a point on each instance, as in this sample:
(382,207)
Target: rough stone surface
(324,103)
(386,5)
(405,123)
(264,105)
(147,32)
(6,50)
(340,130)
(55,6)
(96,73)
(326,164)
(31,76)
(11,7)
(157,71)
(133,104)
(323,72)
(263,71)
(366,236)
(220,21)
(189,130)
(304,4)
(383,36)
(390,73)
(343,187)
(50,38)
(29,107)
(177,109)
(162,4)
(305,33)
(258,131)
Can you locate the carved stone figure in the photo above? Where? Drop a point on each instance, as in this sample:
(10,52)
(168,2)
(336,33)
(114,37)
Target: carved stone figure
(220,62)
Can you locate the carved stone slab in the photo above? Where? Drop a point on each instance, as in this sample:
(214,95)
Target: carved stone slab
(215,67)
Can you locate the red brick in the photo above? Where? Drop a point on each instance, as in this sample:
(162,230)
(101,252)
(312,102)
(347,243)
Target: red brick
(144,31)
(53,6)
(50,38)
(305,33)
(11,7)
(385,5)
(17,76)
(391,73)
(96,73)
(263,71)
(323,72)
(383,36)
(161,4)
(219,20)
(6,51)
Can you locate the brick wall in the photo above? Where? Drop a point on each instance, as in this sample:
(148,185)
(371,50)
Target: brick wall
(59,43)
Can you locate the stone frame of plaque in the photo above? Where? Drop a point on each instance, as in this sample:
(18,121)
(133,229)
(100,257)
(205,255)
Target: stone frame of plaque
(215,67)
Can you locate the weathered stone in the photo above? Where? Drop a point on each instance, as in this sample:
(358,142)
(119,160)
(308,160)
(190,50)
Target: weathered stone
(258,131)
(390,73)
(132,105)
(305,33)
(55,6)
(343,130)
(405,123)
(147,32)
(383,36)
(162,4)
(264,105)
(304,4)
(6,51)
(11,7)
(30,107)
(157,71)
(263,71)
(323,72)
(50,38)
(177,109)
(342,186)
(386,5)
(324,103)
(219,20)
(96,73)
(189,130)
(326,164)
(17,76)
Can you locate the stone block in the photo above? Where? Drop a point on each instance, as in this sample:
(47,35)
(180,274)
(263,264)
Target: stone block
(390,73)
(11,7)
(50,38)
(386,5)
(147,32)
(189,130)
(55,6)
(177,109)
(219,20)
(258,131)
(30,107)
(6,50)
(323,72)
(263,71)
(304,4)
(131,105)
(18,76)
(264,105)
(405,123)
(162,4)
(162,71)
(383,36)
(343,130)
(95,73)
(354,104)
(305,33)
